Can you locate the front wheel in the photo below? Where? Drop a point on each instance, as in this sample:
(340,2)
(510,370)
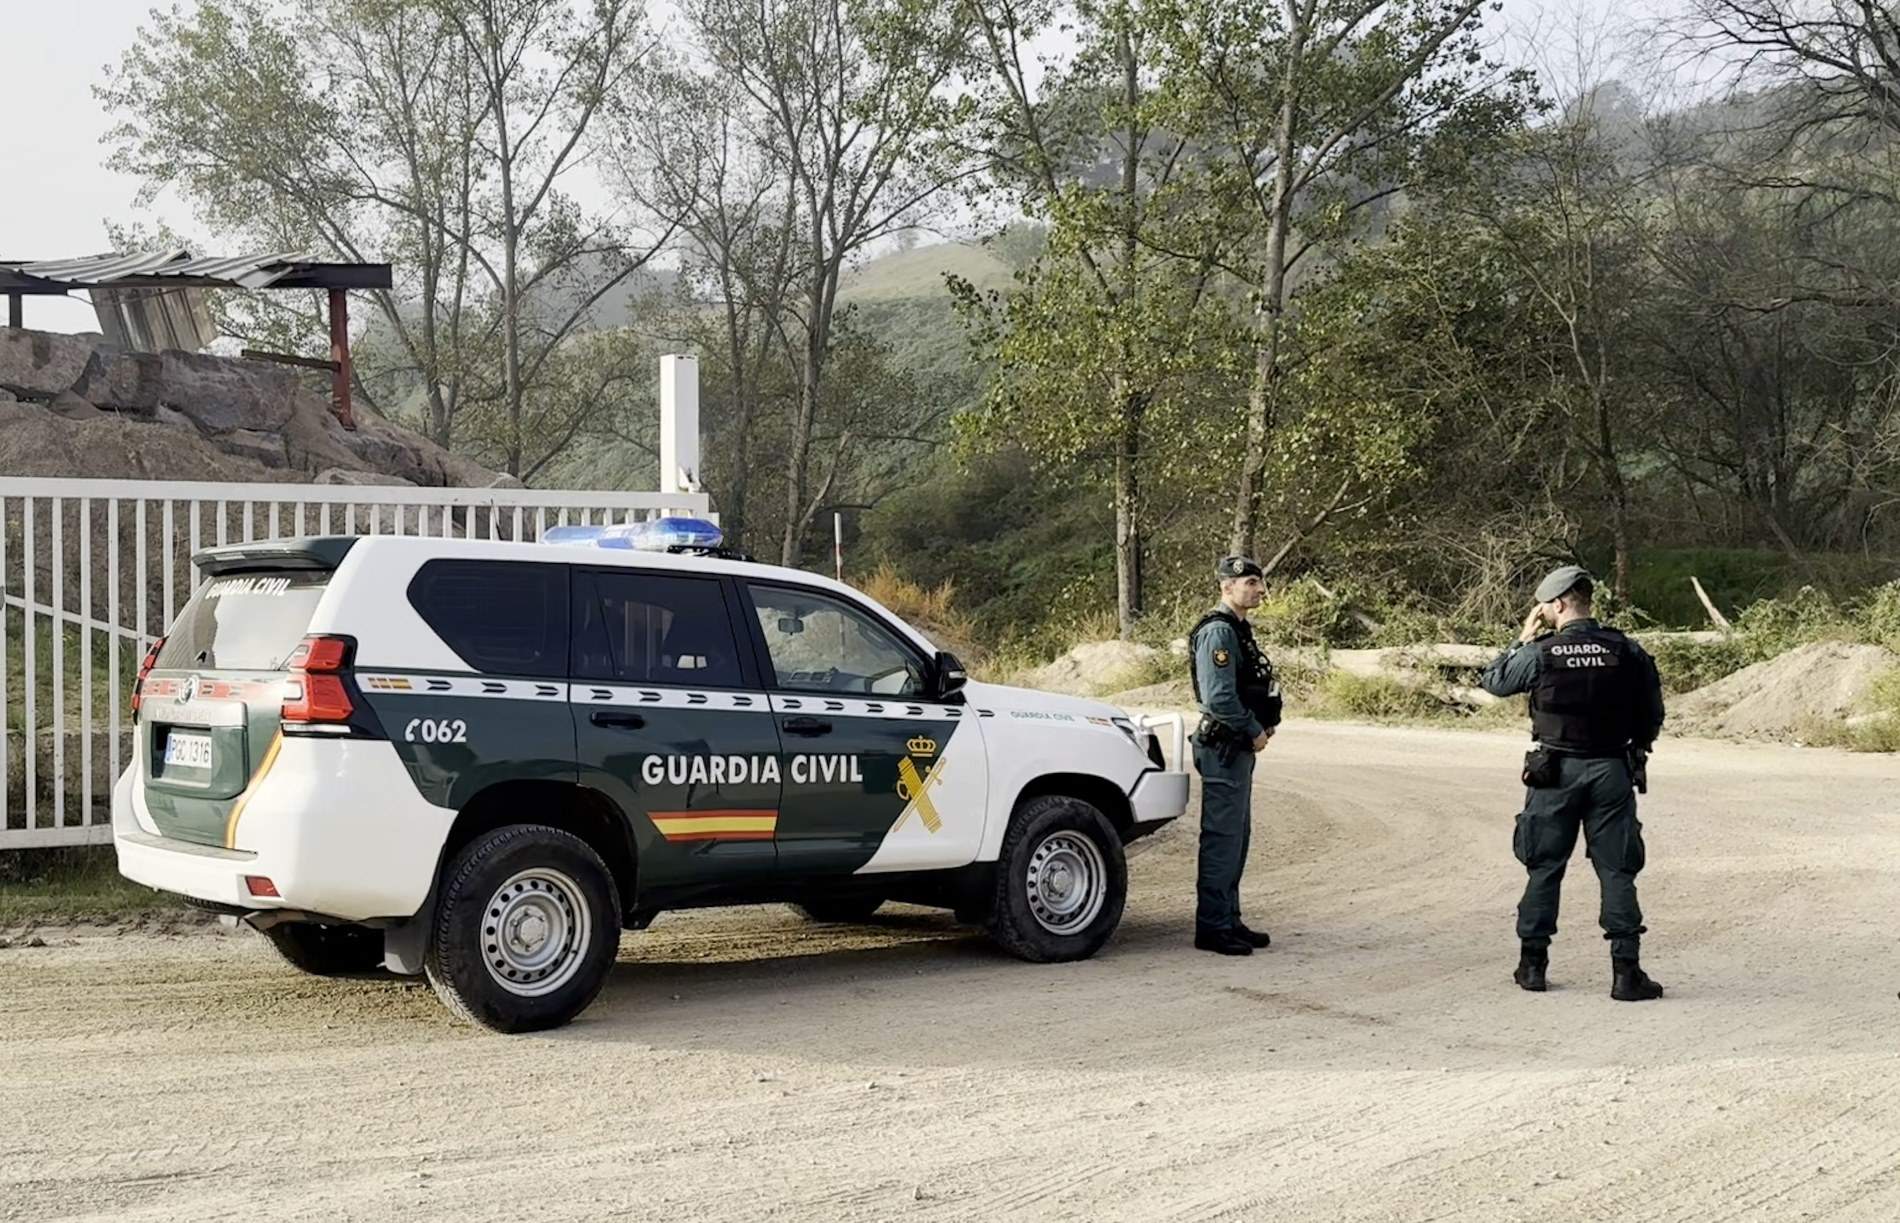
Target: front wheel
(525,931)
(1061,881)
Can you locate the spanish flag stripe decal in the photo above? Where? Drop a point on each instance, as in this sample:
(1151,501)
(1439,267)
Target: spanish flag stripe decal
(716,825)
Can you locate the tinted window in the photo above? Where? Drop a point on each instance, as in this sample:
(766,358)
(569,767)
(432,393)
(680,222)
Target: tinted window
(654,629)
(820,644)
(244,621)
(504,617)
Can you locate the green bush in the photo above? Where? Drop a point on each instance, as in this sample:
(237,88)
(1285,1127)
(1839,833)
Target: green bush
(1775,626)
(1878,616)
(1686,665)
(1298,614)
(1376,697)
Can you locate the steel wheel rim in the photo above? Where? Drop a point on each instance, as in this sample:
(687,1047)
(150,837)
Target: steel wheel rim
(1067,882)
(536,929)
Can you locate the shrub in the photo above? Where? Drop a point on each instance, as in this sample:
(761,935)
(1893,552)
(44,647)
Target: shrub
(1775,626)
(1686,664)
(1377,697)
(1878,616)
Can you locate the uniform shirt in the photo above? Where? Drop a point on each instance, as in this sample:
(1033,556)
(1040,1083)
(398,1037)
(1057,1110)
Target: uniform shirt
(1516,671)
(1220,684)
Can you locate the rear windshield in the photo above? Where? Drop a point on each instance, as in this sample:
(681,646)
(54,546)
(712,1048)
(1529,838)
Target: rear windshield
(244,621)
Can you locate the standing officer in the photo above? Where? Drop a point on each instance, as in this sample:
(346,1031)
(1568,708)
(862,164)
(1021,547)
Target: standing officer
(1596,707)
(1240,706)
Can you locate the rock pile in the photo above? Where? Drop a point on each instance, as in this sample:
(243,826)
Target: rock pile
(72,407)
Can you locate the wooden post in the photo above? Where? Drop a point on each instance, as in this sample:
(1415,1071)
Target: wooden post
(13,310)
(1708,605)
(340,355)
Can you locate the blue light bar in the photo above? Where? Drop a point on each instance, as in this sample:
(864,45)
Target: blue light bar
(584,536)
(678,531)
(671,531)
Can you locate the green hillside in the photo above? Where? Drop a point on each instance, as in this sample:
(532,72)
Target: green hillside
(919,272)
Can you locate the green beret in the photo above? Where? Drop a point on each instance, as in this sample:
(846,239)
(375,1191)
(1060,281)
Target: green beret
(1237,567)
(1560,582)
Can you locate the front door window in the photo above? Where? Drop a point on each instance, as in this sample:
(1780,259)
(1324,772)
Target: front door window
(819,644)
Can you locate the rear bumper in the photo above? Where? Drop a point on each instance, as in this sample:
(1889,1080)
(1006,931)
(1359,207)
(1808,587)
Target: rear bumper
(337,826)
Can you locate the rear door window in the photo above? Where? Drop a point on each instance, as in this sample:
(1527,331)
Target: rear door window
(500,617)
(244,621)
(642,628)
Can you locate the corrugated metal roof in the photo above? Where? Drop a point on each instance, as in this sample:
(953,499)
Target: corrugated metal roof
(246,271)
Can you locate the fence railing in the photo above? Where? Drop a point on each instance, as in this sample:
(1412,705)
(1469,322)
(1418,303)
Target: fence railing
(92,571)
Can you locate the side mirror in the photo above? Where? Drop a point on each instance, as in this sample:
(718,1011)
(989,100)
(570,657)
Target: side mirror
(950,676)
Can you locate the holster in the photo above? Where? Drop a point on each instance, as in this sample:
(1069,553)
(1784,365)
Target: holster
(1540,768)
(1216,736)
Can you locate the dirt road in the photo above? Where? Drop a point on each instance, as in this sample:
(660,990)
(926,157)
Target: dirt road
(1376,1064)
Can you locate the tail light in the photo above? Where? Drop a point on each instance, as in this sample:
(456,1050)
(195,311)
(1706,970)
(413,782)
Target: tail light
(145,669)
(315,692)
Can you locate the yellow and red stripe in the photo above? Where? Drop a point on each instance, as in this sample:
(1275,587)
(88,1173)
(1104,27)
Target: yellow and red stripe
(738,824)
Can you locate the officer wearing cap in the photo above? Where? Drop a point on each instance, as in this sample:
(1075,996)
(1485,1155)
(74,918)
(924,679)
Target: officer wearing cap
(1240,706)
(1596,708)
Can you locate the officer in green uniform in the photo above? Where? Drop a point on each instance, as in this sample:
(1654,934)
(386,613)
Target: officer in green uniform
(1240,706)
(1596,708)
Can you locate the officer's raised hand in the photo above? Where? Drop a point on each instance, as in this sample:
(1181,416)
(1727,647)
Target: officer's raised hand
(1533,624)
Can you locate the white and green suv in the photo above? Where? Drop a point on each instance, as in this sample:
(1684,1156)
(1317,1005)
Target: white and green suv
(481,761)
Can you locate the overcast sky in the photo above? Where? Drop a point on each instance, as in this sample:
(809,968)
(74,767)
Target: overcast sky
(56,194)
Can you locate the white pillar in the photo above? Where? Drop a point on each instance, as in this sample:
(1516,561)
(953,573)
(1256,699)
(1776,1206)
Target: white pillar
(679,423)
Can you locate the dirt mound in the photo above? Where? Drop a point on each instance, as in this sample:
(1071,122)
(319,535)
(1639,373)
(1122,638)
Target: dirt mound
(1094,667)
(1826,681)
(1169,694)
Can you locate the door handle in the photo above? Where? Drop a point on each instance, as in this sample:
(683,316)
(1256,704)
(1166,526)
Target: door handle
(618,720)
(807,726)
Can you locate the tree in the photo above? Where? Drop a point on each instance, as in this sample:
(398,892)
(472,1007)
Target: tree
(1566,206)
(1315,115)
(1103,319)
(686,151)
(432,135)
(541,75)
(849,101)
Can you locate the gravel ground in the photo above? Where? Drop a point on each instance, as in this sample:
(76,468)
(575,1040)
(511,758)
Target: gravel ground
(1375,1064)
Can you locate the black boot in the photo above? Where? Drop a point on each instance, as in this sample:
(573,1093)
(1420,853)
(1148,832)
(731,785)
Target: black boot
(1629,983)
(1254,938)
(1531,965)
(1222,942)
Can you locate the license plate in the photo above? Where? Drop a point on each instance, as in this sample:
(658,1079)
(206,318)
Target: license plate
(188,751)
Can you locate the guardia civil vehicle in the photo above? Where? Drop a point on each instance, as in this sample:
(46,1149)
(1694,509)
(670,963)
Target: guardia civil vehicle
(481,761)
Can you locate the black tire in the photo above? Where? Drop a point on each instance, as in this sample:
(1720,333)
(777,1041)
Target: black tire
(327,951)
(1056,838)
(842,910)
(527,925)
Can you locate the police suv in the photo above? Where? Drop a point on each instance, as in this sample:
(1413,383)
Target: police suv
(480,761)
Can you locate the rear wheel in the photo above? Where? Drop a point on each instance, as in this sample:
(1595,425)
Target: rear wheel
(327,951)
(840,909)
(525,931)
(1061,881)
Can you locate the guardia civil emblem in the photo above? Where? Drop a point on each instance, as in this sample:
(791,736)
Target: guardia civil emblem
(914,783)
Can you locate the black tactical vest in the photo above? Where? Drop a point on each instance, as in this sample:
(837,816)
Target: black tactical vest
(1587,692)
(1259,690)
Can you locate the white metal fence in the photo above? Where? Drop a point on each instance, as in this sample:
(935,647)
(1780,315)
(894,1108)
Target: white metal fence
(92,571)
